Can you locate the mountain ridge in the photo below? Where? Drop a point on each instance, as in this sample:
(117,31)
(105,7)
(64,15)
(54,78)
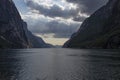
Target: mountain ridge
(13,30)
(99,30)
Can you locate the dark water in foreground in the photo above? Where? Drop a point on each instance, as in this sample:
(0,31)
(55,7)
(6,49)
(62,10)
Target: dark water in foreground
(59,64)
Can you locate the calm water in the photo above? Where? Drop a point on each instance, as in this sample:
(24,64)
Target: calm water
(59,64)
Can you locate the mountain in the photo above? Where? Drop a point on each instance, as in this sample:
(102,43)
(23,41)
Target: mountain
(13,30)
(35,42)
(100,30)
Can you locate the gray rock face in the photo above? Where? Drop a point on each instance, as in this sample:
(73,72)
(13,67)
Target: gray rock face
(12,28)
(98,28)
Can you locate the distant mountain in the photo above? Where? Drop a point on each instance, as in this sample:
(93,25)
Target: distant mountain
(34,41)
(100,30)
(13,30)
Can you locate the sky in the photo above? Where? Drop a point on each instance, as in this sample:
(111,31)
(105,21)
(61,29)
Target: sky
(56,20)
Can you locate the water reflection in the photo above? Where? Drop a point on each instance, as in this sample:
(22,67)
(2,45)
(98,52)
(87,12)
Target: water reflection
(10,65)
(59,64)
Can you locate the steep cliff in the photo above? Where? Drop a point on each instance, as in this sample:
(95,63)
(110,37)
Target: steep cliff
(12,28)
(100,30)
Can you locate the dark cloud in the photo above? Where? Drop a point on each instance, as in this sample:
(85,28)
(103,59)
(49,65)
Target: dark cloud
(53,11)
(79,18)
(88,6)
(84,6)
(60,29)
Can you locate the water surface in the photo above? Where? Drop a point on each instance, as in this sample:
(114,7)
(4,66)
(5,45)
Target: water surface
(59,64)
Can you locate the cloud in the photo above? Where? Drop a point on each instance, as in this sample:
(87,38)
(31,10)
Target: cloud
(88,6)
(61,28)
(75,9)
(52,11)
(59,17)
(61,9)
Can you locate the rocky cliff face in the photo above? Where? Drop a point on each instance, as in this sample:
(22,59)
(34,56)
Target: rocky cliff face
(100,30)
(12,28)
